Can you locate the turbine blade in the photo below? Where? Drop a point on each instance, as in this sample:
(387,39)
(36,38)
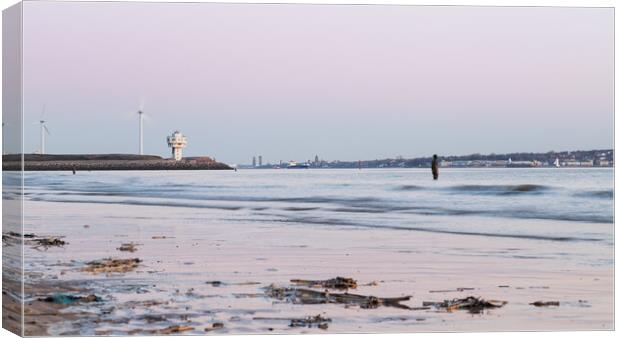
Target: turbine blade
(43,111)
(47,130)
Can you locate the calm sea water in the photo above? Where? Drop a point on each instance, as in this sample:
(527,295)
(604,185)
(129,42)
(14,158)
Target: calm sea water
(531,204)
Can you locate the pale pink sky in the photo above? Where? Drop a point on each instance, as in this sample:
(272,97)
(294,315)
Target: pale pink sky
(343,82)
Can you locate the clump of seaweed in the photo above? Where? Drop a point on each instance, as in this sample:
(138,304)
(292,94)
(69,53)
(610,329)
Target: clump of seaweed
(110,265)
(340,283)
(541,303)
(47,242)
(67,299)
(131,247)
(214,326)
(304,296)
(172,329)
(37,242)
(471,304)
(311,321)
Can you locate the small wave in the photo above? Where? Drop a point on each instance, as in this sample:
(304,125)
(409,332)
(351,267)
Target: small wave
(146,193)
(145,203)
(335,222)
(583,218)
(501,189)
(360,210)
(356,205)
(300,208)
(604,194)
(514,213)
(409,187)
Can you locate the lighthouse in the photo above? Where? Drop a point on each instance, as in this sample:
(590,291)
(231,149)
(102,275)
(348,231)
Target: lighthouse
(177,142)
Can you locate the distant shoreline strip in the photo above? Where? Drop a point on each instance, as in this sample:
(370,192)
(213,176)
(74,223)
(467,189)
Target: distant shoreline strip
(108,165)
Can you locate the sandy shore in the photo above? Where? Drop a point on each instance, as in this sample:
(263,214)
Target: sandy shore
(182,254)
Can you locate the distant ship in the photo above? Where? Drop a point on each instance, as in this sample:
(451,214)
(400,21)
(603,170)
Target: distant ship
(295,165)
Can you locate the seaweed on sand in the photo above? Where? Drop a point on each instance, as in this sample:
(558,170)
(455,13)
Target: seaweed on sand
(215,326)
(172,329)
(67,299)
(541,303)
(340,283)
(131,247)
(110,265)
(37,242)
(47,242)
(310,321)
(472,304)
(304,296)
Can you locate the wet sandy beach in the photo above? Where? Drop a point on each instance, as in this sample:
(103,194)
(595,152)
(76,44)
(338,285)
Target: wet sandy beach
(194,273)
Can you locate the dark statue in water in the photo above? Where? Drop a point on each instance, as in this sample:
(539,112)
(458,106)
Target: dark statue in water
(435,167)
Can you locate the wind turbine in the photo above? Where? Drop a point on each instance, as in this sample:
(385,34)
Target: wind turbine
(43,130)
(141,119)
(3,143)
(141,127)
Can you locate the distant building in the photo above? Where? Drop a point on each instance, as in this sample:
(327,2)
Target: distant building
(570,163)
(177,142)
(460,163)
(260,160)
(522,164)
(254,161)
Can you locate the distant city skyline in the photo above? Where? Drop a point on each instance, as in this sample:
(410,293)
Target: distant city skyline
(288,82)
(578,155)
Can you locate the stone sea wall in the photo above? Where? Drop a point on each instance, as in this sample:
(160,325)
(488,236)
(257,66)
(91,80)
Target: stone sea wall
(107,162)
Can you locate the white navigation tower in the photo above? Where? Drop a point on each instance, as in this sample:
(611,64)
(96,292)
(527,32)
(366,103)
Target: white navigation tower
(177,142)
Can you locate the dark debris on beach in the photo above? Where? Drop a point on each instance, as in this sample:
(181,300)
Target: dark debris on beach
(110,265)
(311,321)
(339,283)
(130,247)
(37,242)
(305,296)
(317,321)
(471,304)
(547,303)
(214,326)
(67,299)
